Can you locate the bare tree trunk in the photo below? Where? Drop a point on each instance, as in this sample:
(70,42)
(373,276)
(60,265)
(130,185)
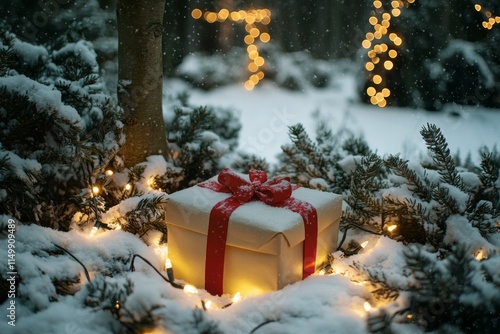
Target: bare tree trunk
(140,78)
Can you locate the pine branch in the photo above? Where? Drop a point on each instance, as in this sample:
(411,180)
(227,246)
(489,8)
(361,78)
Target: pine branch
(418,186)
(436,143)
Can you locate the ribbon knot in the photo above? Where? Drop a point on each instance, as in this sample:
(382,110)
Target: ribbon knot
(270,191)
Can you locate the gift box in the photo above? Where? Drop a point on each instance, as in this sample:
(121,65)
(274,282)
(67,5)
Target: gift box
(244,233)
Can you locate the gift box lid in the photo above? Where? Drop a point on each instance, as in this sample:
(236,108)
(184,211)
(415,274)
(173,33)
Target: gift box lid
(253,224)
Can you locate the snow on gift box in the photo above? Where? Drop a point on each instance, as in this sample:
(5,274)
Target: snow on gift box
(244,233)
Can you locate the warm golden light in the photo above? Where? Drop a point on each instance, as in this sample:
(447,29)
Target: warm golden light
(363,244)
(168,263)
(196,13)
(398,41)
(371,91)
(367,306)
(393,53)
(382,103)
(392,228)
(236,297)
(93,231)
(95,190)
(252,67)
(388,65)
(480,255)
(369,66)
(386,93)
(377,79)
(211,17)
(366,44)
(251,48)
(477,7)
(377,4)
(128,186)
(254,32)
(259,61)
(208,304)
(250,17)
(223,14)
(109,172)
(188,288)
(260,75)
(249,85)
(373,20)
(235,16)
(265,37)
(396,12)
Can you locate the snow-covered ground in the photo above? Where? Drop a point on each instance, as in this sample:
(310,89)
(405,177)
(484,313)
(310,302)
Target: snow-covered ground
(266,112)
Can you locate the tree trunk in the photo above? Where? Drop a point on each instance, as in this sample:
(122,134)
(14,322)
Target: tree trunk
(140,78)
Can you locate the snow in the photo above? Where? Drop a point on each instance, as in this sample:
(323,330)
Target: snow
(45,98)
(267,111)
(30,53)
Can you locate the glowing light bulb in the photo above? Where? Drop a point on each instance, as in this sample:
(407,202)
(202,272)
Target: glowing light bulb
(118,227)
(208,304)
(168,263)
(265,37)
(128,186)
(367,306)
(196,13)
(94,231)
(95,190)
(363,245)
(480,255)
(371,91)
(377,79)
(188,288)
(236,297)
(477,7)
(109,172)
(392,228)
(249,85)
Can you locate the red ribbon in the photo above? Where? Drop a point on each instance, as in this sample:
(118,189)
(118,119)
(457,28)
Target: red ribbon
(275,192)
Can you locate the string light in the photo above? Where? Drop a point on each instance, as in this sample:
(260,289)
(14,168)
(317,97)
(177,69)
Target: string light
(236,298)
(382,52)
(392,228)
(188,288)
(128,186)
(480,255)
(363,244)
(490,20)
(94,231)
(367,306)
(250,18)
(95,190)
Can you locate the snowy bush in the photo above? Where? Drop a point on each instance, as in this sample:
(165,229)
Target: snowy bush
(58,126)
(211,71)
(449,214)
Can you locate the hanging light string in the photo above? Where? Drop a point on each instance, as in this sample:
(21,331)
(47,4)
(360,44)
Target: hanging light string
(382,44)
(490,19)
(252,19)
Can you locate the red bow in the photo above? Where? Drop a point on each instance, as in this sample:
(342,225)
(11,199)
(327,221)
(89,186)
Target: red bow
(270,192)
(275,192)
